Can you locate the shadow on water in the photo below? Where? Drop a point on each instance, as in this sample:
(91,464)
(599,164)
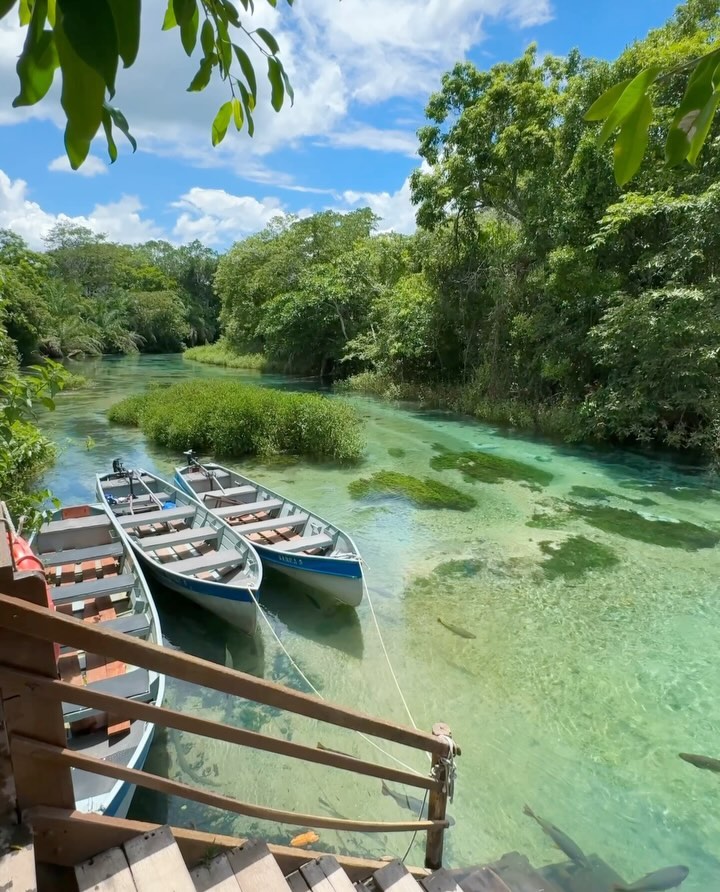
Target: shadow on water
(312,614)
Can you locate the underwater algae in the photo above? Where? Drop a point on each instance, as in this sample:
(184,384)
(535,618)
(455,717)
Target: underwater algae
(593,494)
(396,452)
(489,468)
(653,531)
(427,493)
(575,557)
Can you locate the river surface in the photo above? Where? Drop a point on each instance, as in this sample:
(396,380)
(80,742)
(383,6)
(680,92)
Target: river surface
(590,669)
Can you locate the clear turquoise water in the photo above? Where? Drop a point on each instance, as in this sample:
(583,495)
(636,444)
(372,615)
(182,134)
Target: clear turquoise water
(577,693)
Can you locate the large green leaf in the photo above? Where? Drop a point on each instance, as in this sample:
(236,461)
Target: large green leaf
(220,124)
(268,40)
(207,37)
(288,86)
(698,93)
(6,6)
(628,101)
(632,141)
(602,106)
(107,127)
(82,97)
(202,78)
(126,15)
(276,83)
(237,112)
(189,30)
(702,126)
(169,21)
(38,60)
(249,104)
(25,12)
(247,69)
(90,29)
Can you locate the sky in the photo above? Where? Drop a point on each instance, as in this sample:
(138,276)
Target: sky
(362,71)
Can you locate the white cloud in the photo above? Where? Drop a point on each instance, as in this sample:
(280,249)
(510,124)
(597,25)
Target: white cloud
(120,220)
(377,139)
(395,209)
(91,167)
(214,215)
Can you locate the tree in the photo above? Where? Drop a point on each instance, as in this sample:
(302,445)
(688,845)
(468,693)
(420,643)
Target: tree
(88,39)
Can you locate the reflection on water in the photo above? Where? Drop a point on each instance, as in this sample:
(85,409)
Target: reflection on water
(590,603)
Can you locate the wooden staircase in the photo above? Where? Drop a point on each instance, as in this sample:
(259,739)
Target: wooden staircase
(152,862)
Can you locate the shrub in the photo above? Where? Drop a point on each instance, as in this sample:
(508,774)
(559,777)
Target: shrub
(223,355)
(228,418)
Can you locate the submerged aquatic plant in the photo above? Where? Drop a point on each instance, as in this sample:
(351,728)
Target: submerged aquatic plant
(396,452)
(427,493)
(489,468)
(654,531)
(575,557)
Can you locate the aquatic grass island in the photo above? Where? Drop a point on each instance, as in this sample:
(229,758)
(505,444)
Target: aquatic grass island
(228,418)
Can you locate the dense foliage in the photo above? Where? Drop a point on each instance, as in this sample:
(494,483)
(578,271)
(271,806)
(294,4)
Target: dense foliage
(86,295)
(227,418)
(221,354)
(536,290)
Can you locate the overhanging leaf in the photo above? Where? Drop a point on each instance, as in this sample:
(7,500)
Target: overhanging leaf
(276,83)
(702,126)
(632,141)
(247,69)
(268,40)
(25,12)
(602,106)
(249,104)
(5,7)
(288,86)
(38,60)
(220,124)
(126,15)
(169,21)
(207,37)
(82,97)
(107,127)
(90,29)
(237,113)
(202,78)
(628,101)
(698,92)
(120,121)
(189,30)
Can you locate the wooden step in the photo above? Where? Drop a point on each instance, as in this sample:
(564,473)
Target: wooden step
(217,876)
(17,867)
(255,868)
(440,881)
(108,872)
(156,864)
(326,875)
(395,878)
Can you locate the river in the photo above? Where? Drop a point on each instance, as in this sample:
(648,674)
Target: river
(590,670)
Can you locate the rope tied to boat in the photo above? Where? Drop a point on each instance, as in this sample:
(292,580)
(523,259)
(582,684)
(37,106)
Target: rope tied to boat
(445,771)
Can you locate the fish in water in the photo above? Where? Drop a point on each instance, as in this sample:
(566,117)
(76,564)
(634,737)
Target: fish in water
(561,840)
(667,878)
(304,839)
(463,633)
(705,762)
(411,803)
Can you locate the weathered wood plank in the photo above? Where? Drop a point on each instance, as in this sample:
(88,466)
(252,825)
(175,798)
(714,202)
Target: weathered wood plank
(8,797)
(296,881)
(339,880)
(440,881)
(30,619)
(108,872)
(156,863)
(255,868)
(17,866)
(315,877)
(394,877)
(217,876)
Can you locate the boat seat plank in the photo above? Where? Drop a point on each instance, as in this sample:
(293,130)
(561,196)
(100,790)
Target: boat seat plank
(156,863)
(210,561)
(395,878)
(136,624)
(78,555)
(339,880)
(255,868)
(240,508)
(229,492)
(179,537)
(217,876)
(134,685)
(93,588)
(199,476)
(122,482)
(440,881)
(289,520)
(321,540)
(108,872)
(160,516)
(76,523)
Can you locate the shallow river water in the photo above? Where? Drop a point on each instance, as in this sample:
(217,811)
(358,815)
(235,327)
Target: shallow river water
(594,662)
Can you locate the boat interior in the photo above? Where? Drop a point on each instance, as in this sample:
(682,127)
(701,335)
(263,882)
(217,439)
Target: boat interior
(176,534)
(93,577)
(261,516)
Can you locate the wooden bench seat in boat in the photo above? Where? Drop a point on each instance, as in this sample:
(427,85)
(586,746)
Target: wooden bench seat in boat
(179,537)
(133,685)
(159,516)
(229,492)
(289,520)
(248,507)
(136,624)
(93,588)
(210,561)
(74,523)
(321,540)
(120,483)
(78,555)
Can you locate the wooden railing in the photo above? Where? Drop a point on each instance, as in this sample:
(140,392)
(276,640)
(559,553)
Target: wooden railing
(32,695)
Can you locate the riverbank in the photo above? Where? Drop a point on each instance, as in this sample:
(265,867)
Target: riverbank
(221,355)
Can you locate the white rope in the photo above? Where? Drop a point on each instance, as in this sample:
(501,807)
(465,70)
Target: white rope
(318,694)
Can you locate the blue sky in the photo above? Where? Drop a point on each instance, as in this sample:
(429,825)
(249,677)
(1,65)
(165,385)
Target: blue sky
(362,71)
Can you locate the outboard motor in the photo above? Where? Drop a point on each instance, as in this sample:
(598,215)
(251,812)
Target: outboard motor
(119,468)
(190,457)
